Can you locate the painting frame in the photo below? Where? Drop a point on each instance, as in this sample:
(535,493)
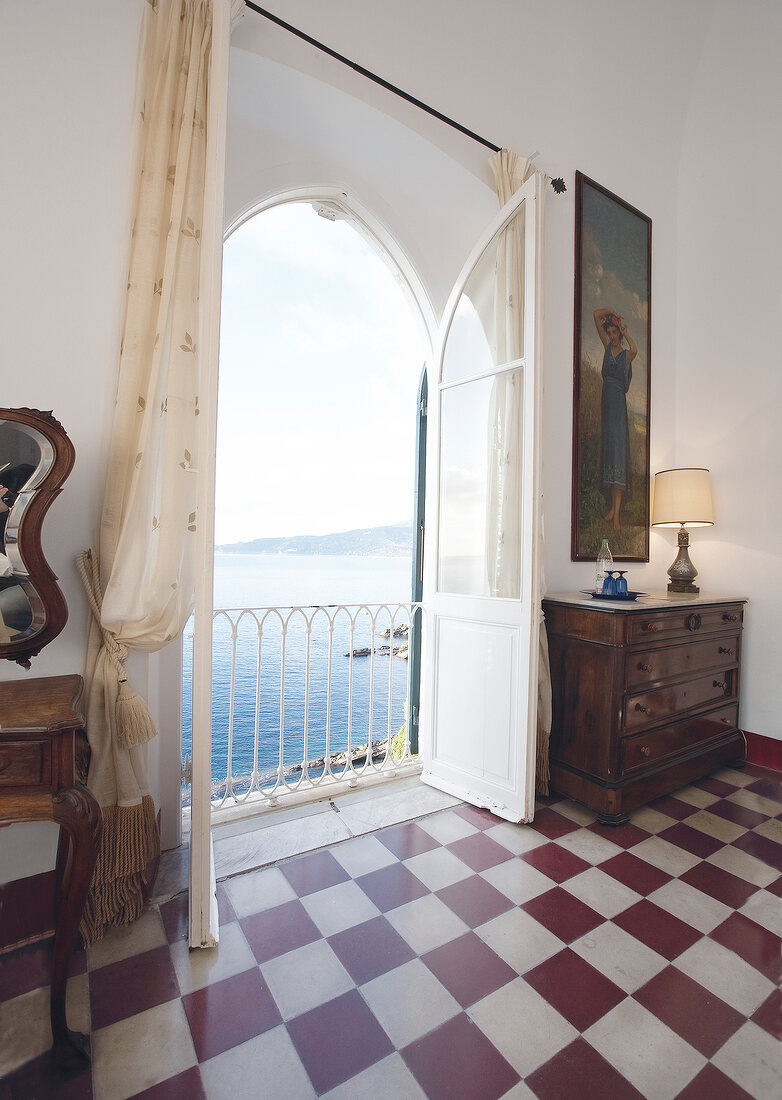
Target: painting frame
(613,278)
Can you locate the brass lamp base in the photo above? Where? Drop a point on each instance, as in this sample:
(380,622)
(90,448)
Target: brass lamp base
(683,572)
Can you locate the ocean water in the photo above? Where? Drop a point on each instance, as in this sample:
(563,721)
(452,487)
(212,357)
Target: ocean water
(379,686)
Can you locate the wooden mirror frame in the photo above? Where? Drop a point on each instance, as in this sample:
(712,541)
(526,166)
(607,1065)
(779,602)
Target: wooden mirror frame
(49,608)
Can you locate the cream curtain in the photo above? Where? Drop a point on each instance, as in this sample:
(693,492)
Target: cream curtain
(504,527)
(140,583)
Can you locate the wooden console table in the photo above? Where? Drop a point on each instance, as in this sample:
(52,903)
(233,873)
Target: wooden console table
(645,695)
(41,733)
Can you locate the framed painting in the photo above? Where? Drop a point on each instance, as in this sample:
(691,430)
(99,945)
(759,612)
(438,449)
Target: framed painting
(611,376)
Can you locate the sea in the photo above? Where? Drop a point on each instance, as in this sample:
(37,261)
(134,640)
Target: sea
(285,581)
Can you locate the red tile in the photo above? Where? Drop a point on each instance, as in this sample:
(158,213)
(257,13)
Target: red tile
(674,807)
(662,931)
(552,824)
(756,945)
(474,900)
(30,967)
(712,1084)
(316,871)
(626,836)
(174,916)
(764,849)
(370,949)
(776,887)
(457,1062)
(279,930)
(480,818)
(557,863)
(739,815)
(337,1040)
(716,786)
(698,1016)
(39,1080)
(769,1015)
(579,1071)
(187,1084)
(468,969)
(391,886)
(767,788)
(224,908)
(479,851)
(407,840)
(227,1013)
(635,873)
(132,985)
(564,915)
(719,884)
(691,840)
(575,989)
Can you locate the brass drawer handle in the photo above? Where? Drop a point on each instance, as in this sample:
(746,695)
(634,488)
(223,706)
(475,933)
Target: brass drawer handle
(643,709)
(726,650)
(645,750)
(645,668)
(720,684)
(727,721)
(730,618)
(653,627)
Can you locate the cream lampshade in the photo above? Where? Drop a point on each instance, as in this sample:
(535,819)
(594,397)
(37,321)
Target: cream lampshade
(682,498)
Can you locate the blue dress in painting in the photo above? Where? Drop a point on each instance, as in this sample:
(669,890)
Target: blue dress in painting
(615,464)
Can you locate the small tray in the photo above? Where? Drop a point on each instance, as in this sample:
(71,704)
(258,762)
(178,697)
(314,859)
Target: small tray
(628,596)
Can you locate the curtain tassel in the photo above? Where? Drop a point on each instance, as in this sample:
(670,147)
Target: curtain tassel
(134,722)
(542,772)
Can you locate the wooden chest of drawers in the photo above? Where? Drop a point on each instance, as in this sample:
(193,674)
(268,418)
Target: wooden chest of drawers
(645,696)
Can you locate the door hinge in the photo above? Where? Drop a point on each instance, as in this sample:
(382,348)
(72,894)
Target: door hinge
(187,771)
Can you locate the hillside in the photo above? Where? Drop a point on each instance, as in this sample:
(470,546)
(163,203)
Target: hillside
(394,541)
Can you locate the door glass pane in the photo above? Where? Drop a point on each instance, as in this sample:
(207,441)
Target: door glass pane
(488,326)
(480,487)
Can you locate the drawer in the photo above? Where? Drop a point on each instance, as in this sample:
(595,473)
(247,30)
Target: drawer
(684,621)
(648,665)
(647,748)
(25,764)
(650,708)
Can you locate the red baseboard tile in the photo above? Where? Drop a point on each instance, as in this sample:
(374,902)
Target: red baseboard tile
(766,752)
(26,910)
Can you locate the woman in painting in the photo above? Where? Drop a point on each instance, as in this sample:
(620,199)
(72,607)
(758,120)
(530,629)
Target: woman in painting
(615,463)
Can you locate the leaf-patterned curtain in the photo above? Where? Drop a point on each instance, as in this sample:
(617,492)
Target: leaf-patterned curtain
(140,583)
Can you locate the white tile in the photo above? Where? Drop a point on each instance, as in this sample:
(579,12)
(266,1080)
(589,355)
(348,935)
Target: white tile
(716,826)
(772,829)
(589,846)
(651,820)
(734,776)
(520,1091)
(744,866)
(173,874)
(519,939)
(601,892)
(757,802)
(409,1002)
(339,907)
(516,838)
(438,868)
(362,855)
(426,923)
(137,1053)
(651,1056)
(620,956)
(447,827)
(766,910)
(196,969)
(258,890)
(389,1079)
(696,796)
(25,1031)
(518,880)
(574,811)
(264,1066)
(305,978)
(753,1059)
(120,943)
(665,856)
(523,1026)
(393,808)
(724,973)
(248,851)
(690,905)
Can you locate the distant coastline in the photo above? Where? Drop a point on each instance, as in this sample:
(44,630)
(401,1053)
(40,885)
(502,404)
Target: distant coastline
(392,541)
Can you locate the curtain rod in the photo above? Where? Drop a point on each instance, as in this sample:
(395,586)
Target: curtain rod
(371,76)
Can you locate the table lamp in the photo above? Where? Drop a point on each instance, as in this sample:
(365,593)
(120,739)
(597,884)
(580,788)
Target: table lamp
(682,498)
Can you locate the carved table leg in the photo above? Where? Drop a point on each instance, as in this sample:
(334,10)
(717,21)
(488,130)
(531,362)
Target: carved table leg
(78,814)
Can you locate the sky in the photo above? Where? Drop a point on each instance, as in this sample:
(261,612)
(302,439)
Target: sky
(320,357)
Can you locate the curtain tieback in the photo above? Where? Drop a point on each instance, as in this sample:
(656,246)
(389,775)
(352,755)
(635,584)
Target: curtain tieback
(133,722)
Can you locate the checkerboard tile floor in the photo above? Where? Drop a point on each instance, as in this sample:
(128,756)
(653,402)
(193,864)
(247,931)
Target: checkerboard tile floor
(456,956)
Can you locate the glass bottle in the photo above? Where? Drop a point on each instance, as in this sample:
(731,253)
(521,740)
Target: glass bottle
(605,565)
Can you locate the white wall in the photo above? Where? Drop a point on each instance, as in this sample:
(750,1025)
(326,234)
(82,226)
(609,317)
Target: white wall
(67,80)
(729,328)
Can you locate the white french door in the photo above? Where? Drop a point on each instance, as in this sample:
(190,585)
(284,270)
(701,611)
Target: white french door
(480,649)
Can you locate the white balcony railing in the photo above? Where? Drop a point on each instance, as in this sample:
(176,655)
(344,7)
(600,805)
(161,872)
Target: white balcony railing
(305,697)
